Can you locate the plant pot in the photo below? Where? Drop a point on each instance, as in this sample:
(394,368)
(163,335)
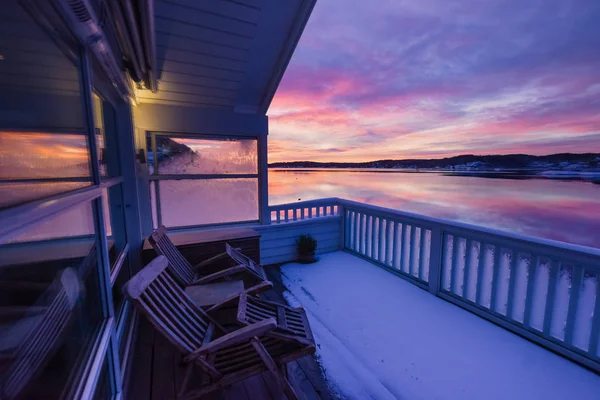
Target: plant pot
(307,258)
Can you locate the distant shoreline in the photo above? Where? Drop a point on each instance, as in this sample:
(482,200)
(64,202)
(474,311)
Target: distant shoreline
(555,164)
(591,176)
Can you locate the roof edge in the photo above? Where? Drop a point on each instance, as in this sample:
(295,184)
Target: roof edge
(294,35)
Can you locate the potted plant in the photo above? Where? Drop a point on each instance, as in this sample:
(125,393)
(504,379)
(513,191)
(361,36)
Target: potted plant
(306,245)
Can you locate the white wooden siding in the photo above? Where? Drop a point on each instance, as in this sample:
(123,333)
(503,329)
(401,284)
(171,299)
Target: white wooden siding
(278,242)
(39,84)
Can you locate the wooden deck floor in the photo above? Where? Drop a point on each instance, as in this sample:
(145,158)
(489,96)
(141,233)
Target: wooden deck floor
(157,370)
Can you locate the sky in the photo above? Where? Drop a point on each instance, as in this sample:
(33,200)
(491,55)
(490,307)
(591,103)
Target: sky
(375,79)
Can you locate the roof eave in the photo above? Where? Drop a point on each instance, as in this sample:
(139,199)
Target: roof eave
(286,53)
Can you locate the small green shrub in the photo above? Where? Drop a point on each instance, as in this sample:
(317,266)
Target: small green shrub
(306,245)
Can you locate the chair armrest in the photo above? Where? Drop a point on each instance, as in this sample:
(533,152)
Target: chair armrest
(210,261)
(261,287)
(218,275)
(236,337)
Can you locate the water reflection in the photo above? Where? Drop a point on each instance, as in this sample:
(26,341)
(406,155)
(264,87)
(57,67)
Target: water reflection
(568,211)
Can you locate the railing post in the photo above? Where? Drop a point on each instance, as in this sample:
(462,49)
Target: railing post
(342,214)
(435,259)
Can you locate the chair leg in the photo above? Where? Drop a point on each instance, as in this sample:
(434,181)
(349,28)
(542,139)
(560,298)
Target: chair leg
(288,390)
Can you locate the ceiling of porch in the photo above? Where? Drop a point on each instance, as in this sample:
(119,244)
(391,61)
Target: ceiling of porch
(226,54)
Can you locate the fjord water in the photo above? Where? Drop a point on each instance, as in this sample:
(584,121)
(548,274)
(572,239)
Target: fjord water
(564,210)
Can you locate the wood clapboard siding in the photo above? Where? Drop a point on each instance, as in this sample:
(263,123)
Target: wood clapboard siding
(227,54)
(41,85)
(278,241)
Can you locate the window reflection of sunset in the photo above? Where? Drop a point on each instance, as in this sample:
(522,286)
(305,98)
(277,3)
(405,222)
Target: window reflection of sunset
(36,155)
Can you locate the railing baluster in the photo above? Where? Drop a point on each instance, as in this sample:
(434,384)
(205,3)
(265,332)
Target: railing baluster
(422,244)
(495,272)
(353,230)
(435,259)
(310,212)
(573,303)
(373,235)
(511,283)
(358,233)
(467,275)
(412,251)
(347,229)
(402,247)
(480,266)
(287,214)
(278,216)
(548,312)
(453,264)
(380,254)
(363,237)
(395,243)
(595,332)
(368,236)
(388,240)
(530,284)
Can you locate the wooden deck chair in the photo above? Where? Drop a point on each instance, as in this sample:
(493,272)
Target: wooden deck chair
(216,269)
(41,339)
(224,357)
(243,310)
(242,259)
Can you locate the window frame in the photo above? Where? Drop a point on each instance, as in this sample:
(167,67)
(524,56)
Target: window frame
(157,177)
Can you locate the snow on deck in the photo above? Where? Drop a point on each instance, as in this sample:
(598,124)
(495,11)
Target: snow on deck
(381,337)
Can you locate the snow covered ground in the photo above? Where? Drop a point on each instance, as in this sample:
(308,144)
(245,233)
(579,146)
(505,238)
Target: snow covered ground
(381,337)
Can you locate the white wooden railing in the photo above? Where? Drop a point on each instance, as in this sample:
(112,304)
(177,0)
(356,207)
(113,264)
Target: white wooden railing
(546,291)
(303,210)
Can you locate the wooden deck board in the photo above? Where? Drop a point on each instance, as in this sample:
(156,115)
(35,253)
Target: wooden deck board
(256,388)
(158,371)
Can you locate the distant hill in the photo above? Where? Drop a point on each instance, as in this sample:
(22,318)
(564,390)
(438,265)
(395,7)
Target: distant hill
(562,161)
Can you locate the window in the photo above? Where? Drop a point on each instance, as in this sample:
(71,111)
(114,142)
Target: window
(61,212)
(199,181)
(33,274)
(43,142)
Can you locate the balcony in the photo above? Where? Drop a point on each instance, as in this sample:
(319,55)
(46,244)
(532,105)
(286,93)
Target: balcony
(406,306)
(545,291)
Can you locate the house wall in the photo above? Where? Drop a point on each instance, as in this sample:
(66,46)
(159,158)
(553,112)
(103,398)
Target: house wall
(278,241)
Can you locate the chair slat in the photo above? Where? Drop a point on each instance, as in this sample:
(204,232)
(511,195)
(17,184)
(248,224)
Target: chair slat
(175,311)
(187,313)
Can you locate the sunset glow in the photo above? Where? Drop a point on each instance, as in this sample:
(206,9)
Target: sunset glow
(433,78)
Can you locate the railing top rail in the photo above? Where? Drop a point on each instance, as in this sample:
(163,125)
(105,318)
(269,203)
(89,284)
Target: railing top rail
(451,226)
(328,201)
(458,227)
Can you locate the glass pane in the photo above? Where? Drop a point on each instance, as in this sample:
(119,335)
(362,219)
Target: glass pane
(103,389)
(122,278)
(114,221)
(14,193)
(125,337)
(32,155)
(39,84)
(108,156)
(208,201)
(32,275)
(178,156)
(77,221)
(153,204)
